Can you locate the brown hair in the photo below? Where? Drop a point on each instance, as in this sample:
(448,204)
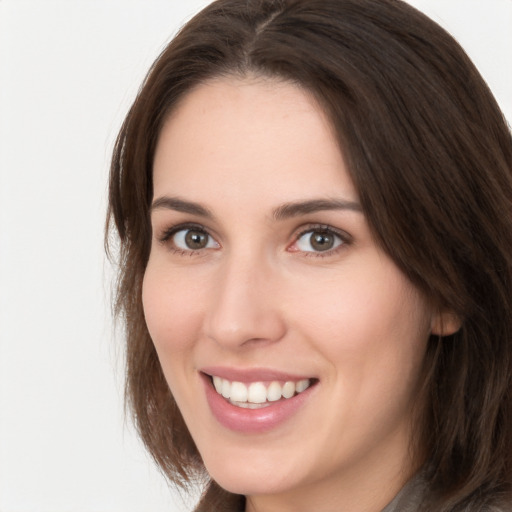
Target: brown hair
(431,157)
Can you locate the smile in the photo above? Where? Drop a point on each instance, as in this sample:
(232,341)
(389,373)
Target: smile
(255,401)
(255,395)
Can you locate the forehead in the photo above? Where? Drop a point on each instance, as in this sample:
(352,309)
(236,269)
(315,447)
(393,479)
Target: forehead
(256,133)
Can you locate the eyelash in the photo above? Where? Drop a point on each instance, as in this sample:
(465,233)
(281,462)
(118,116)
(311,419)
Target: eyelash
(345,239)
(166,238)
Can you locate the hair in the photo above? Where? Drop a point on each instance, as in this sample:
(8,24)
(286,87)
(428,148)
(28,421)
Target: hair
(430,155)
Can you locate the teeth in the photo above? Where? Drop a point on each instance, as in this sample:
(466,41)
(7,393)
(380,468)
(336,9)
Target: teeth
(250,405)
(217,382)
(302,385)
(226,388)
(257,394)
(238,392)
(274,392)
(289,389)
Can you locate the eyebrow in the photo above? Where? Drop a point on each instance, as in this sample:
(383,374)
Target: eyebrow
(289,210)
(285,211)
(180,205)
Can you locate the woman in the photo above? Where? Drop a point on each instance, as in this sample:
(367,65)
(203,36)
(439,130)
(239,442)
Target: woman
(313,199)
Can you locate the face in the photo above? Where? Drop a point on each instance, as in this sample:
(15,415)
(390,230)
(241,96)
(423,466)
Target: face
(265,285)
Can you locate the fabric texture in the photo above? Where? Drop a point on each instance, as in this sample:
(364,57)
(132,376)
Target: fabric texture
(410,499)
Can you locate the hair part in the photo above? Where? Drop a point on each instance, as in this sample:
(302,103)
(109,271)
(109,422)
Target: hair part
(430,154)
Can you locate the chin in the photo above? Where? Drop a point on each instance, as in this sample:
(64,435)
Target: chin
(249,480)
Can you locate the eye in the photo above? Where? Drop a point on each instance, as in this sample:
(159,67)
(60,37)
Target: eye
(193,240)
(318,240)
(188,239)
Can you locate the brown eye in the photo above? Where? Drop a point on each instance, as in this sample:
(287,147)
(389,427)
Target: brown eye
(318,241)
(193,240)
(321,241)
(196,240)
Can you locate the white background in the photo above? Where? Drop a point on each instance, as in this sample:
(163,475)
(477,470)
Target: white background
(68,72)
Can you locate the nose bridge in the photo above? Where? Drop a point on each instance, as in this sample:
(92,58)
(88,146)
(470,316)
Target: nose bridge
(245,305)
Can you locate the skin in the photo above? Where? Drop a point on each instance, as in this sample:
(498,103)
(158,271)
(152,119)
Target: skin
(259,296)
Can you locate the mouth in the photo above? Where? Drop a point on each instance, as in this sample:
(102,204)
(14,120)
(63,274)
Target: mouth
(254,401)
(258,394)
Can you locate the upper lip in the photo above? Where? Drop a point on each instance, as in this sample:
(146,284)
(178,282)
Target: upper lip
(251,374)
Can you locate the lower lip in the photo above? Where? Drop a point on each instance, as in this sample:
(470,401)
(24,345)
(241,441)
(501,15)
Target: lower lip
(252,420)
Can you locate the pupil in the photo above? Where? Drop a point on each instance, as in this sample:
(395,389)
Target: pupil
(322,241)
(196,240)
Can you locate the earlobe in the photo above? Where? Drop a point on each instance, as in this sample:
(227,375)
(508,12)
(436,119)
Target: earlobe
(445,323)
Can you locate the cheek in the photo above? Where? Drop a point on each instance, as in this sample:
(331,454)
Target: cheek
(367,323)
(373,332)
(171,309)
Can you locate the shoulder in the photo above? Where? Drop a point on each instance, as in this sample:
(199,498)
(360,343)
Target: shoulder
(486,504)
(416,496)
(493,508)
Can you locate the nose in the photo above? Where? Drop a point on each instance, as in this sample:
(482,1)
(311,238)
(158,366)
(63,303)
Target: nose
(245,308)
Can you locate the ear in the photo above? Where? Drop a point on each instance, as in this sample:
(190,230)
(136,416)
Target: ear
(445,323)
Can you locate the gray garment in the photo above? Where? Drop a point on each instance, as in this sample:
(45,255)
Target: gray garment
(409,499)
